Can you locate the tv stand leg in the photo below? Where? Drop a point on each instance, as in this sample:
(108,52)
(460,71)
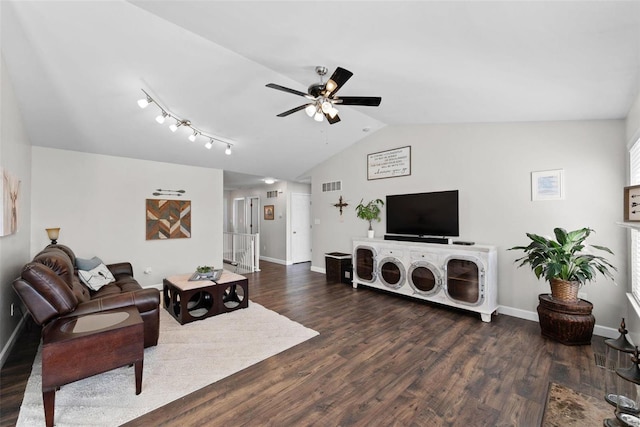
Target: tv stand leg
(485,317)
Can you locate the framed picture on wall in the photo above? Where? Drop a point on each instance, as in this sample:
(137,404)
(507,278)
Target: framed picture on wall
(547,185)
(632,203)
(268,212)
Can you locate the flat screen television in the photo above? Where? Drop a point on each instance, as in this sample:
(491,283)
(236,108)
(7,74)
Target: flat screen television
(423,214)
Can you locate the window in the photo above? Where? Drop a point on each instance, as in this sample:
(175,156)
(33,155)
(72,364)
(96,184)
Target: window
(634,179)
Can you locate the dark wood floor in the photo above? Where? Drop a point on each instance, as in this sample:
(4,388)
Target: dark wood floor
(380,359)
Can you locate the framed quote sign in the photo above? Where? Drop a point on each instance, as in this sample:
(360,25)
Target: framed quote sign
(389,164)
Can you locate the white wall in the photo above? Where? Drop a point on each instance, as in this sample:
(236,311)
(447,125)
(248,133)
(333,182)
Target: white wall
(100,201)
(633,122)
(491,165)
(15,156)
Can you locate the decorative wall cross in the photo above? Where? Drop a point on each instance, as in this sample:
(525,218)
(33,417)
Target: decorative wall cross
(341,204)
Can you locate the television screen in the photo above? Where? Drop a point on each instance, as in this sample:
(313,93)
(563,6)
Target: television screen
(423,214)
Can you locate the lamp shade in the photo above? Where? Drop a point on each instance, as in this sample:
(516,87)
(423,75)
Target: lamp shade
(53,234)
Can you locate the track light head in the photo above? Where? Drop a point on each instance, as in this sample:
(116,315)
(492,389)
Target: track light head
(228,150)
(144,102)
(209,144)
(160,118)
(174,126)
(192,137)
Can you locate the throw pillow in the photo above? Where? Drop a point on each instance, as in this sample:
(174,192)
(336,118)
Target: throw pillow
(88,264)
(96,277)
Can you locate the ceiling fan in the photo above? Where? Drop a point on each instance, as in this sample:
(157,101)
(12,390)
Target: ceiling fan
(322,96)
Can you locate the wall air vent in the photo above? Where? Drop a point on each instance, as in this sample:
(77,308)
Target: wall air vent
(331,186)
(272,194)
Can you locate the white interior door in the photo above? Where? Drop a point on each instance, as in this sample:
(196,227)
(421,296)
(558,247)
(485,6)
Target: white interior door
(239,217)
(254,218)
(300,227)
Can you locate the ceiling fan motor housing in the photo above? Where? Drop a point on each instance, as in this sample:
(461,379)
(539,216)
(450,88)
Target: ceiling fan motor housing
(316,89)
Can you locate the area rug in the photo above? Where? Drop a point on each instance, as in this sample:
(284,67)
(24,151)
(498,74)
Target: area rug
(567,408)
(187,358)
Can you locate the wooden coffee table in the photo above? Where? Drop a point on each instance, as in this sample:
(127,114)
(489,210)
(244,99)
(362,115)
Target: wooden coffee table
(188,301)
(78,347)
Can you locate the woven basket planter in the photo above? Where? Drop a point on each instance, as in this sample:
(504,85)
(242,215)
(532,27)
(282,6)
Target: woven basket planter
(564,290)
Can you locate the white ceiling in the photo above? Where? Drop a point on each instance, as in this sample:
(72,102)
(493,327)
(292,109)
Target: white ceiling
(78,67)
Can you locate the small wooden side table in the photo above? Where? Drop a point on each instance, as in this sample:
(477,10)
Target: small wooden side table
(568,322)
(78,347)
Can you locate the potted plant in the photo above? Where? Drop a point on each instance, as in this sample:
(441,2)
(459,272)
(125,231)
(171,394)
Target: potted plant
(369,212)
(566,263)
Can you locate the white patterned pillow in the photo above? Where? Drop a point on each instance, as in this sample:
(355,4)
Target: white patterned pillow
(97,277)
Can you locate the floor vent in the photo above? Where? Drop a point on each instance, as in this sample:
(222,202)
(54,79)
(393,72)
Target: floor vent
(331,186)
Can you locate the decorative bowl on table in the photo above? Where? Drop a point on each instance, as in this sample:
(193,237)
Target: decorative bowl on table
(206,273)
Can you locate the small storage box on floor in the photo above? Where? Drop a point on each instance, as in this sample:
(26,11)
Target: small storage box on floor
(337,264)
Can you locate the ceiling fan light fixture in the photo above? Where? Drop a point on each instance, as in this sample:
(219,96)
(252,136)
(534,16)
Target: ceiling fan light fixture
(321,96)
(310,110)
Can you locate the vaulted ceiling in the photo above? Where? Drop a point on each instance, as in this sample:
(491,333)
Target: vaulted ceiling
(78,69)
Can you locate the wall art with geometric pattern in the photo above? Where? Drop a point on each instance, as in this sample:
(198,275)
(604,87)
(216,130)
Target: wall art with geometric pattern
(168,219)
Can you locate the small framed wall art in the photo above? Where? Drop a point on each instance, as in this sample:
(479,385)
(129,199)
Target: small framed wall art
(632,203)
(268,212)
(547,185)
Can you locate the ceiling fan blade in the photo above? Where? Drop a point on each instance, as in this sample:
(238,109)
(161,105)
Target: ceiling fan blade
(369,101)
(333,120)
(286,89)
(338,78)
(293,110)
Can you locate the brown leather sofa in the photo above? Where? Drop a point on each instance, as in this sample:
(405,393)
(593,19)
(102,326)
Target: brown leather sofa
(50,288)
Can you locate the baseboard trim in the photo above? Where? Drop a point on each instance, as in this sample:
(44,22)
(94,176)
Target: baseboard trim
(519,313)
(274,260)
(12,340)
(603,331)
(318,270)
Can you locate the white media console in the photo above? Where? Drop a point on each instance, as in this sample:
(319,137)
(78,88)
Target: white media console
(455,275)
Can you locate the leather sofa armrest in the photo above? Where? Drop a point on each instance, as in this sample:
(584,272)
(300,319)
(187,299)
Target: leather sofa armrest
(121,268)
(144,299)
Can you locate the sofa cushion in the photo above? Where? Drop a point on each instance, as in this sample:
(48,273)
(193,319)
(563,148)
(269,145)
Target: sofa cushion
(97,277)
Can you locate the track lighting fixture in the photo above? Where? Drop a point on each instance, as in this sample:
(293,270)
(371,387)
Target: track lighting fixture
(173,127)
